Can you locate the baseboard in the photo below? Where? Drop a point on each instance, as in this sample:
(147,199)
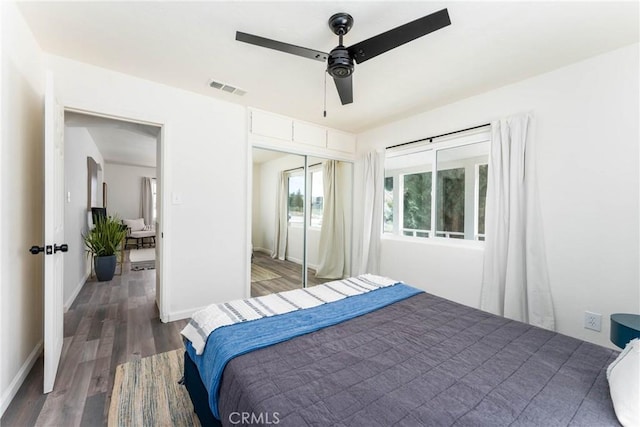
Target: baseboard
(76,291)
(182,314)
(292,259)
(262,250)
(17,381)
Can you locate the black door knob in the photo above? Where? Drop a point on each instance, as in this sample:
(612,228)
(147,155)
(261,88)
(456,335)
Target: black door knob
(61,248)
(35,250)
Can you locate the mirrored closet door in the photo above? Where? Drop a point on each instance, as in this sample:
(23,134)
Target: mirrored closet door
(329,185)
(301,228)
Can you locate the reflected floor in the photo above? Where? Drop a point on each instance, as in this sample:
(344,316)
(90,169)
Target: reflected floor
(289,275)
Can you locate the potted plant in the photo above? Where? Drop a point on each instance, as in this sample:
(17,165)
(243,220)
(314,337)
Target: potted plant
(103,242)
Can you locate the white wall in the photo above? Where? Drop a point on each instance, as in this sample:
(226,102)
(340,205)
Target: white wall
(205,145)
(21,201)
(78,145)
(586,132)
(124,188)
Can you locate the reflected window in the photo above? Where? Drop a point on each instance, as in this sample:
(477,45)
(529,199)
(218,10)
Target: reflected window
(317,198)
(296,198)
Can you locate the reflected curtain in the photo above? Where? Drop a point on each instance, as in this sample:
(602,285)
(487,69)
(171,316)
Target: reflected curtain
(146,201)
(372,204)
(515,279)
(331,248)
(282,220)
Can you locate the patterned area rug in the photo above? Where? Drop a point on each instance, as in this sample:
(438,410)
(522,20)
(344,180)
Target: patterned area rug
(142,259)
(146,393)
(260,273)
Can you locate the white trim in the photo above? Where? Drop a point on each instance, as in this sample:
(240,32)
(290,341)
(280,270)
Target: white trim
(76,291)
(249,212)
(18,380)
(182,314)
(165,265)
(437,241)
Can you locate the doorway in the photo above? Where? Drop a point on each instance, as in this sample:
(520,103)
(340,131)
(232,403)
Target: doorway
(108,161)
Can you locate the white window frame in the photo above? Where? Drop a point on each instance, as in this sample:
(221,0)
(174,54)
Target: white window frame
(290,174)
(452,141)
(314,169)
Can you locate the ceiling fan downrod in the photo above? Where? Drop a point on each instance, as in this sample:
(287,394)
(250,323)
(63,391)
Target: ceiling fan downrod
(339,63)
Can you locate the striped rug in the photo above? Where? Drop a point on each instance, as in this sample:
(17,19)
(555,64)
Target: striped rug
(146,393)
(259,274)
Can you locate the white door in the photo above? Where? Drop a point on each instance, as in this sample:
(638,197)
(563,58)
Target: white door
(53,233)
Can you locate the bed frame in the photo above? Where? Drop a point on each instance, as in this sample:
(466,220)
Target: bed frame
(198,393)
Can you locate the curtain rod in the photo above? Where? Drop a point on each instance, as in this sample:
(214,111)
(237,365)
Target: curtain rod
(301,167)
(431,138)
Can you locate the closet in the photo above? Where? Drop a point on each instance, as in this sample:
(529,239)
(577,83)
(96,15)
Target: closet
(301,220)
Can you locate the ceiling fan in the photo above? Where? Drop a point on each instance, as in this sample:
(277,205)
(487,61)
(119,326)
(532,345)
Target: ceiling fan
(340,61)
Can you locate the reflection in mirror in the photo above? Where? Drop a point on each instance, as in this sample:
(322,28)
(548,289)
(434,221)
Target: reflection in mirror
(329,184)
(299,220)
(277,222)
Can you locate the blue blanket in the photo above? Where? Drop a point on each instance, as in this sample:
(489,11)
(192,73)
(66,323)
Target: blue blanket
(234,340)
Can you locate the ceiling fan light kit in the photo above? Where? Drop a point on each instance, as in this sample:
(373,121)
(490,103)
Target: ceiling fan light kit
(341,60)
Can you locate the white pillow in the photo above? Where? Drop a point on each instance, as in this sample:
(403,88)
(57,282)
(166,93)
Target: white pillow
(134,224)
(624,384)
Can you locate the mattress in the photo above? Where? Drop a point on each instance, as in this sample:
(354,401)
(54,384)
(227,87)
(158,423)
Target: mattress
(420,361)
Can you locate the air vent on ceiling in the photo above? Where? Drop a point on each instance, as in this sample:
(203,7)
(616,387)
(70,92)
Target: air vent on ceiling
(227,88)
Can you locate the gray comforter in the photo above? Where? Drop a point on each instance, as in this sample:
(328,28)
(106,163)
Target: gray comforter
(422,361)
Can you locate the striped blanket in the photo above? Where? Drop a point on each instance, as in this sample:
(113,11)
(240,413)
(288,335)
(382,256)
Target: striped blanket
(215,316)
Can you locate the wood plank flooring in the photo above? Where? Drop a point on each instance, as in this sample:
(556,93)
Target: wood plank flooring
(108,324)
(290,276)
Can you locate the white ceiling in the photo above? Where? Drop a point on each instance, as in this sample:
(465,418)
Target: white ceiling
(185,44)
(119,141)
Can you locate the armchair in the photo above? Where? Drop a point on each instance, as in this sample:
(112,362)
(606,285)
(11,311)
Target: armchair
(138,232)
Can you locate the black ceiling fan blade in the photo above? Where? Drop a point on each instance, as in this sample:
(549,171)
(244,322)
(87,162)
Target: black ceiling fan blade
(345,89)
(398,36)
(283,47)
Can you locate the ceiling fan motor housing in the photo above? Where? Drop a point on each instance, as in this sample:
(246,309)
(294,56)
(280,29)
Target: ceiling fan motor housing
(339,63)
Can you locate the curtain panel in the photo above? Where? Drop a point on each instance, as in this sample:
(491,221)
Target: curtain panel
(146,201)
(515,279)
(282,221)
(331,248)
(373,192)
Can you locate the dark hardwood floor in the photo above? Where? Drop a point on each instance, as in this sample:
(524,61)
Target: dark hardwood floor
(290,276)
(108,324)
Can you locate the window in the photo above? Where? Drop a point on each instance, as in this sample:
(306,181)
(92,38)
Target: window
(449,204)
(154,199)
(317,197)
(296,190)
(296,198)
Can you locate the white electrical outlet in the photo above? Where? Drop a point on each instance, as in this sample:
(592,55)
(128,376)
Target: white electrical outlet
(592,321)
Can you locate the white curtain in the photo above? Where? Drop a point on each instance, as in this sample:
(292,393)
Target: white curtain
(146,201)
(373,193)
(515,279)
(282,220)
(331,248)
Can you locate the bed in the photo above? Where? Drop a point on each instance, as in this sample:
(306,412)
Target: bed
(413,359)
